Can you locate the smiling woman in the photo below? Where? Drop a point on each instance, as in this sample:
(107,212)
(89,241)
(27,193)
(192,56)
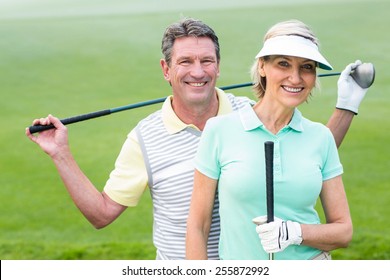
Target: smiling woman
(289,82)
(306,166)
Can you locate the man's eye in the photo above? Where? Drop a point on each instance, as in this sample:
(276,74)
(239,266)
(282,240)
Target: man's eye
(208,61)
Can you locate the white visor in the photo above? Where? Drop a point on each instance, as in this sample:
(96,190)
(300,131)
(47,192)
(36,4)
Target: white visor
(293,45)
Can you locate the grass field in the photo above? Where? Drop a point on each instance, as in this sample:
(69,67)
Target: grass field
(73,57)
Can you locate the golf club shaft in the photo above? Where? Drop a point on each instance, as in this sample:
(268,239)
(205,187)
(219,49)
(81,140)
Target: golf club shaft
(269,176)
(79,118)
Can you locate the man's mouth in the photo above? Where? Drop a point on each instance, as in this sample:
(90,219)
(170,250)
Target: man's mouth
(197,84)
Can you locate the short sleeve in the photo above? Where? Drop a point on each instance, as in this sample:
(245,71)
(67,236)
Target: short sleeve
(332,165)
(206,159)
(129,178)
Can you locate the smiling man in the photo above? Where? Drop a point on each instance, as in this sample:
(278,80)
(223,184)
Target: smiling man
(192,73)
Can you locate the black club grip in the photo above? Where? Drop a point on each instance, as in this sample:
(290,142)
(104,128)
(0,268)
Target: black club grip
(269,175)
(39,128)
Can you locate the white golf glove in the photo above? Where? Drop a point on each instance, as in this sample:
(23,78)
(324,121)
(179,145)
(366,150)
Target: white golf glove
(277,235)
(349,94)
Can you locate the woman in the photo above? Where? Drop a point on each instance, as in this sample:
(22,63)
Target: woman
(230,158)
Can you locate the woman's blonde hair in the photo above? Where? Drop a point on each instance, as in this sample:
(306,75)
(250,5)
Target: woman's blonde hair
(289,27)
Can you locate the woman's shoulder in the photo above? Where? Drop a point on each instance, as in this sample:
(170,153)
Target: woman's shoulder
(223,121)
(316,127)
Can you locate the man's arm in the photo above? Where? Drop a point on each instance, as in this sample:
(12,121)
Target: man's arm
(97,207)
(349,97)
(339,123)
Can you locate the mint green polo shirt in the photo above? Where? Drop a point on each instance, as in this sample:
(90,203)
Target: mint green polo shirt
(231,150)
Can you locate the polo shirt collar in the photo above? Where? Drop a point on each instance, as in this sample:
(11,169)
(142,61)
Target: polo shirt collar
(174,125)
(250,120)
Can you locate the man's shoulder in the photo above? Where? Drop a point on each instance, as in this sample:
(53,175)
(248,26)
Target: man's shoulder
(238,101)
(151,119)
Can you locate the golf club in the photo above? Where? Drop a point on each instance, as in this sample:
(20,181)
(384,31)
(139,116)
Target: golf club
(363,76)
(269,177)
(79,118)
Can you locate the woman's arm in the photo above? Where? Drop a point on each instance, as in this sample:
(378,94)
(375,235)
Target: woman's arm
(200,216)
(337,232)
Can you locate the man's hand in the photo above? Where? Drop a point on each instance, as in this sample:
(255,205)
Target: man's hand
(349,94)
(51,141)
(277,235)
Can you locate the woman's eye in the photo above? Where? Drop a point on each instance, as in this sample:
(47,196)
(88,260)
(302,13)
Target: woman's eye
(283,63)
(308,66)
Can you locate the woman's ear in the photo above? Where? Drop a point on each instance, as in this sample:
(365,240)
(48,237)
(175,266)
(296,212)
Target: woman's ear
(261,68)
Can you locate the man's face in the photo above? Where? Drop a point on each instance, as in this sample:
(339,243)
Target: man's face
(194,69)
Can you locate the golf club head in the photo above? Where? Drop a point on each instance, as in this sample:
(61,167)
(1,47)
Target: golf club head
(364,75)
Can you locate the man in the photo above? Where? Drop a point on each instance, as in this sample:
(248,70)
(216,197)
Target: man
(158,153)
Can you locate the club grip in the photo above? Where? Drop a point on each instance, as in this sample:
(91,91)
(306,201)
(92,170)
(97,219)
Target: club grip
(269,176)
(39,128)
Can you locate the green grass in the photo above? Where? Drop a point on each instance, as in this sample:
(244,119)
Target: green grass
(65,61)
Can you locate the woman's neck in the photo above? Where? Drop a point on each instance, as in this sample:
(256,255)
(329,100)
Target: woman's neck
(273,117)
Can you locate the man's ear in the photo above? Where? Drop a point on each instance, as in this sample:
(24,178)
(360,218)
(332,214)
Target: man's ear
(165,69)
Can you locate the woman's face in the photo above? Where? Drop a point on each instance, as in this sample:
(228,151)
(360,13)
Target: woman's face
(290,79)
